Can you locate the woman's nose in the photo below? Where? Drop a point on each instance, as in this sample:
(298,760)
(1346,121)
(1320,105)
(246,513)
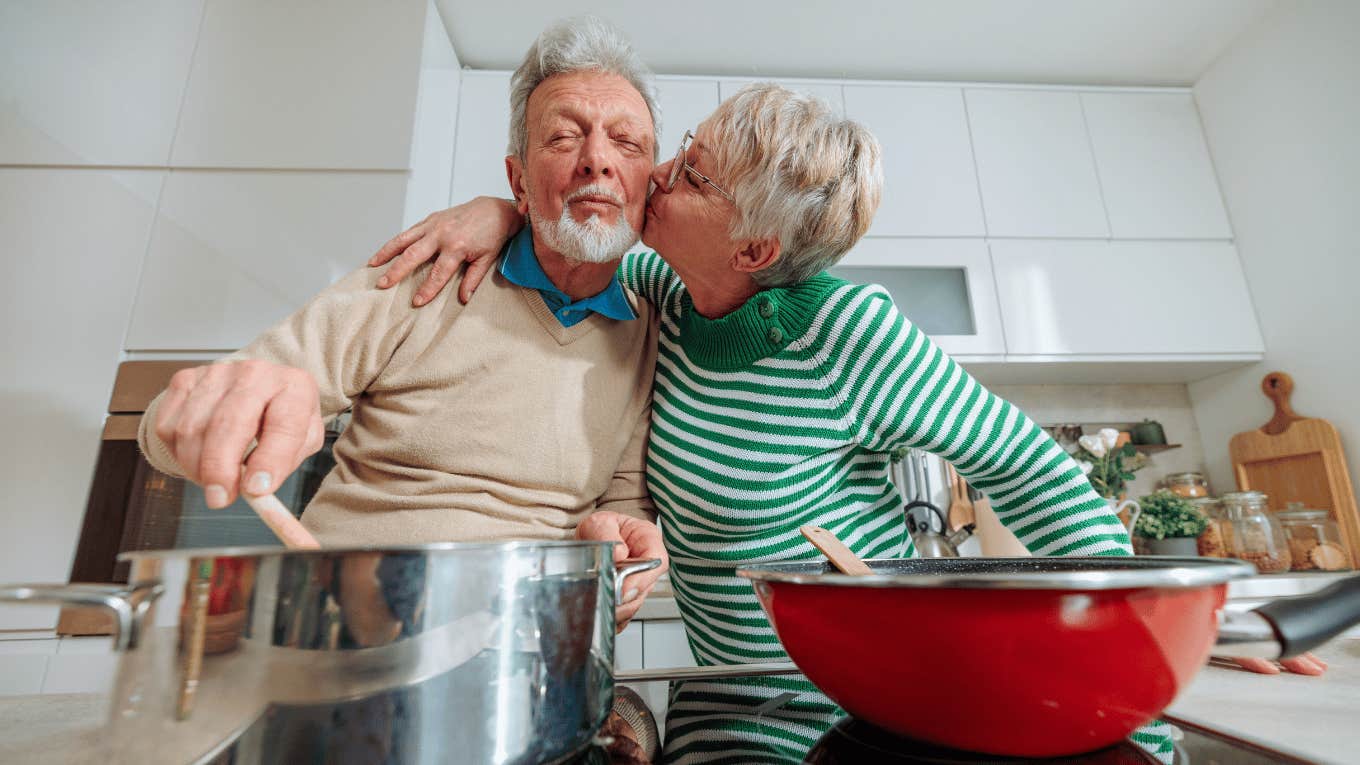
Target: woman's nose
(660,175)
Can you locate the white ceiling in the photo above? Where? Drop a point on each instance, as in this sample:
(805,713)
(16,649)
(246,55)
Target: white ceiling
(1100,42)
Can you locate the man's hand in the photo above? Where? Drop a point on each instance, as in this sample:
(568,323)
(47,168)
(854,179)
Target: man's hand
(639,539)
(473,232)
(1303,664)
(210,414)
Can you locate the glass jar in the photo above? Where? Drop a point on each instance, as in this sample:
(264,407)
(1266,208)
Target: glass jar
(1212,543)
(1314,540)
(1188,485)
(1252,534)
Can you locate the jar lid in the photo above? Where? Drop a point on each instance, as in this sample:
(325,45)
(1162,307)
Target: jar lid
(1303,515)
(1191,476)
(1243,496)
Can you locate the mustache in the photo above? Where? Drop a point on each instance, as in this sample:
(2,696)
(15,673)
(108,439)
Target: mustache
(596,190)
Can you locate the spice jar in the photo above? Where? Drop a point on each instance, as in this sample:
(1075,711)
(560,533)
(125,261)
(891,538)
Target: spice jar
(1188,485)
(1252,534)
(1211,543)
(1314,539)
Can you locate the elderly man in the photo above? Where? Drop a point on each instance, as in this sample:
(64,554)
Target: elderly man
(520,415)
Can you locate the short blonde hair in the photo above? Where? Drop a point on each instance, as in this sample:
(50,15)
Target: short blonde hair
(796,171)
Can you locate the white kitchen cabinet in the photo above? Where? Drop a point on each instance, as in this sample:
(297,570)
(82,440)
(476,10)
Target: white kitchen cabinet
(311,84)
(1107,300)
(74,240)
(684,104)
(930,186)
(628,647)
(1035,169)
(830,92)
(483,135)
(233,253)
(1155,172)
(944,286)
(93,83)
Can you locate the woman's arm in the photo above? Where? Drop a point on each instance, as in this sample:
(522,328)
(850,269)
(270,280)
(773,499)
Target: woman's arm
(903,391)
(473,233)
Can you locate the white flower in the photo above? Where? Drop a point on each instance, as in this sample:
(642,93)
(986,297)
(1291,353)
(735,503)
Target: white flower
(1085,466)
(1108,436)
(1093,444)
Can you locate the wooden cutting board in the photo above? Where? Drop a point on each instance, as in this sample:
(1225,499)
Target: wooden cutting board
(1297,459)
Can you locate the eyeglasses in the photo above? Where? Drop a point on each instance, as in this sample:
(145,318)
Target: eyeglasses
(681,163)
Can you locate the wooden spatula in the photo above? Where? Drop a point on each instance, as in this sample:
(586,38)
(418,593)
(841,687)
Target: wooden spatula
(960,506)
(288,529)
(842,557)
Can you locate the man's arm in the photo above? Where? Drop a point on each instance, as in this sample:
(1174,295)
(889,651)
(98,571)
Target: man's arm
(276,391)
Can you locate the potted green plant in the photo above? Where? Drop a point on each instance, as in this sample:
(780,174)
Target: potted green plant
(1169,524)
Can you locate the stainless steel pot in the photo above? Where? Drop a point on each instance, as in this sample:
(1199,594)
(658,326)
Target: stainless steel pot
(497,653)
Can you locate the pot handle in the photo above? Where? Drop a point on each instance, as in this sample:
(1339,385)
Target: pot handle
(629,566)
(1304,623)
(127,604)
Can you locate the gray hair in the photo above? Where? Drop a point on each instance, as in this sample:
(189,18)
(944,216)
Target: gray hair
(797,171)
(583,43)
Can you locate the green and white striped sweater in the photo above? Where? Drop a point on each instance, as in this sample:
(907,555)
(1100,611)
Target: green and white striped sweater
(784,413)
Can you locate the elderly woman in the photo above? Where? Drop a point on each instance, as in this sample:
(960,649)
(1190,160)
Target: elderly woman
(781,392)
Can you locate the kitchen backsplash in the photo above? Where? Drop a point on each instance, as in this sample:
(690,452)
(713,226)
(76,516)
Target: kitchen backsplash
(1094,406)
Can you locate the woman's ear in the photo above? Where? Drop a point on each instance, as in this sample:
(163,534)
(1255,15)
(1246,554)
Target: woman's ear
(514,171)
(756,255)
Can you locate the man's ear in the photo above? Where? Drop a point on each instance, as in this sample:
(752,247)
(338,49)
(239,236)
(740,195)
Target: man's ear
(756,255)
(514,170)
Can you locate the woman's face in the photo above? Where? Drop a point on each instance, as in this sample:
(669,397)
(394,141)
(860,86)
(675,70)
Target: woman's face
(689,224)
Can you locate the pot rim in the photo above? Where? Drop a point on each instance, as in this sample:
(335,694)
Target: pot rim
(430,547)
(1039,573)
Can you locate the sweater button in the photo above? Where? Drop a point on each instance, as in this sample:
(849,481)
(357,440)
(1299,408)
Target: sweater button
(766,307)
(775,335)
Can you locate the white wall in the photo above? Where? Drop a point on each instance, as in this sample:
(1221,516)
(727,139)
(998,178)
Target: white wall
(1281,111)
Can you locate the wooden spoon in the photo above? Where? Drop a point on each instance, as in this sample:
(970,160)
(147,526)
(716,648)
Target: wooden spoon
(960,506)
(288,529)
(834,549)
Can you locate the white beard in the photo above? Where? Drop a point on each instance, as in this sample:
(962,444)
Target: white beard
(591,241)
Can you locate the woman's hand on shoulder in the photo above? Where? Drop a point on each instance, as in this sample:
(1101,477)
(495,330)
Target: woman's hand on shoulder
(472,233)
(1303,664)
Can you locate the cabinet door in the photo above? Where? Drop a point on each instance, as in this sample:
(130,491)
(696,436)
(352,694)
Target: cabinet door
(483,134)
(1173,299)
(944,286)
(1155,172)
(930,182)
(93,83)
(1034,163)
(684,104)
(829,92)
(213,283)
(302,85)
(664,644)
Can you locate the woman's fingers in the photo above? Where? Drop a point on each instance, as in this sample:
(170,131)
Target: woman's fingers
(473,276)
(410,259)
(1305,664)
(395,245)
(445,266)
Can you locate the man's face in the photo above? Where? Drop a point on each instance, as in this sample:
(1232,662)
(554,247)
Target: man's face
(585,129)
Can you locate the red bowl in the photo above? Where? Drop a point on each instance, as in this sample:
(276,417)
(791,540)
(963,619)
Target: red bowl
(1024,657)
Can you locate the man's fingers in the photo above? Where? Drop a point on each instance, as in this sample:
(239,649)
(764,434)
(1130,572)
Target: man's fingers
(193,419)
(445,266)
(472,277)
(232,427)
(167,414)
(1259,666)
(287,423)
(394,246)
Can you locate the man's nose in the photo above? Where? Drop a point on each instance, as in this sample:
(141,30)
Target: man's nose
(597,157)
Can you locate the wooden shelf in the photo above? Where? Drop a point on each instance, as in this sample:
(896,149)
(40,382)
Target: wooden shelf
(1154,448)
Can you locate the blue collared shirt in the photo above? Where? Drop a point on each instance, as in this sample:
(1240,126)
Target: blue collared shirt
(520,266)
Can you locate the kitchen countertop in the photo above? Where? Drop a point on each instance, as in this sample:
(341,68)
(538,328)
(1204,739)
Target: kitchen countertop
(1313,717)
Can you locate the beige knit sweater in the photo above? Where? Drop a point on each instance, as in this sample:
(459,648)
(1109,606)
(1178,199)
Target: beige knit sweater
(489,421)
